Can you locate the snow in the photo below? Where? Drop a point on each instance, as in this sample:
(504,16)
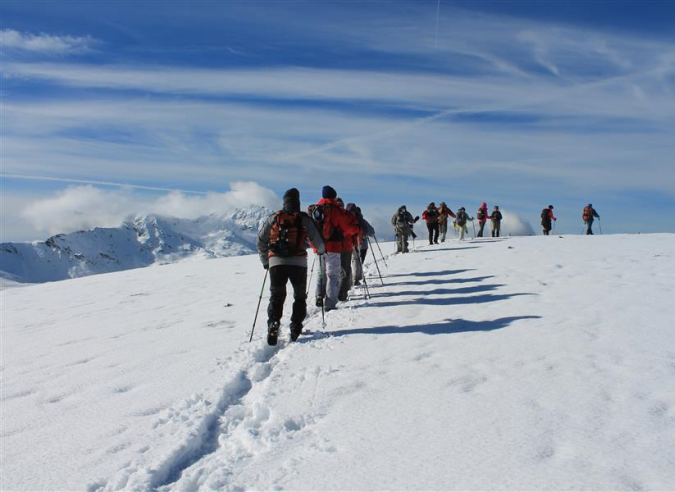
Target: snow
(537,363)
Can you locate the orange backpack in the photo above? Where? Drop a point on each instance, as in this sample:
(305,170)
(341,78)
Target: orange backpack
(287,235)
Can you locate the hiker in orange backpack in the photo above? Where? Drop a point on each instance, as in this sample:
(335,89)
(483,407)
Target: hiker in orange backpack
(282,248)
(589,215)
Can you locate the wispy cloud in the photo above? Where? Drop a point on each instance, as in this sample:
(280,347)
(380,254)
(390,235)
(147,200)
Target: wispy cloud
(85,207)
(12,40)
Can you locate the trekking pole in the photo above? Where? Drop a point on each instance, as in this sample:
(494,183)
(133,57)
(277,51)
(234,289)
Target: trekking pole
(374,258)
(322,277)
(259,301)
(474,229)
(600,224)
(309,282)
(378,247)
(363,274)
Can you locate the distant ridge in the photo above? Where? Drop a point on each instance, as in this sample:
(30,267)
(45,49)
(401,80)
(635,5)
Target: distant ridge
(143,241)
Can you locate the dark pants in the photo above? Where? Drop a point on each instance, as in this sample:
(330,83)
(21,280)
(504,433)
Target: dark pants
(481,226)
(364,253)
(345,275)
(433,232)
(279,276)
(495,228)
(589,227)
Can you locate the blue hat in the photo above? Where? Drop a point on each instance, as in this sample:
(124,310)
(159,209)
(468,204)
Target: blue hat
(329,192)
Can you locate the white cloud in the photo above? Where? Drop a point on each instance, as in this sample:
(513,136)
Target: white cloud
(86,207)
(45,43)
(514,225)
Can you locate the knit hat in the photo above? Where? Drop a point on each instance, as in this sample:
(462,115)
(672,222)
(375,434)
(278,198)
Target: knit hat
(329,192)
(551,207)
(292,200)
(340,202)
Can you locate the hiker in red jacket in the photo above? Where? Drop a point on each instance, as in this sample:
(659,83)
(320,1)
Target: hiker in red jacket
(482,216)
(430,215)
(346,255)
(333,223)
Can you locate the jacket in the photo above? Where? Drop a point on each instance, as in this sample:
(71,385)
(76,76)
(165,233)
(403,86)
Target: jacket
(430,215)
(337,223)
(483,207)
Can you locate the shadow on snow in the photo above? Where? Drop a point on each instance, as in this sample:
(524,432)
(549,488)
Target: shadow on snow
(446,327)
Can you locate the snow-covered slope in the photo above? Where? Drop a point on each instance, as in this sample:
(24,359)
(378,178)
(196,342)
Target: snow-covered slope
(525,363)
(141,242)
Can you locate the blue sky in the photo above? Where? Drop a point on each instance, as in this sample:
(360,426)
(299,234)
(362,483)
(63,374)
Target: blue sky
(519,104)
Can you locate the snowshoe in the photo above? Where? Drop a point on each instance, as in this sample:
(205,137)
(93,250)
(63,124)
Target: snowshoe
(272,332)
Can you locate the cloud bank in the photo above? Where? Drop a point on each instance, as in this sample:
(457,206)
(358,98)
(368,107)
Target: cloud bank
(86,207)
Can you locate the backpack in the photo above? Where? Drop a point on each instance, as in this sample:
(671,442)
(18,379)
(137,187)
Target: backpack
(545,215)
(461,218)
(402,219)
(588,214)
(480,214)
(287,235)
(317,213)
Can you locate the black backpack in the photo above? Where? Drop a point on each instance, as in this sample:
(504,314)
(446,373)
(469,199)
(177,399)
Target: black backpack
(545,215)
(480,214)
(461,218)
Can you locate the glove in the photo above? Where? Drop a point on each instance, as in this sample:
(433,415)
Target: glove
(417,218)
(266,266)
(554,220)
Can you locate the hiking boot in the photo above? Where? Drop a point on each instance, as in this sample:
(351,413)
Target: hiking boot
(296,330)
(357,282)
(319,301)
(272,332)
(342,298)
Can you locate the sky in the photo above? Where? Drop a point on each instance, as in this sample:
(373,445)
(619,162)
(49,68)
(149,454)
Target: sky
(114,108)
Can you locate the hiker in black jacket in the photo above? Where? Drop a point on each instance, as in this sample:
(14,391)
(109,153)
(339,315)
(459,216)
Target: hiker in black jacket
(496,219)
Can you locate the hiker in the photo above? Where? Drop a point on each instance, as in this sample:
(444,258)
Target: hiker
(403,223)
(282,248)
(546,218)
(589,215)
(346,254)
(360,244)
(496,219)
(482,216)
(444,213)
(430,215)
(460,222)
(333,223)
(367,230)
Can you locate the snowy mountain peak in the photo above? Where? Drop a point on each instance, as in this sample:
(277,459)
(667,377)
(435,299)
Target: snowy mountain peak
(139,242)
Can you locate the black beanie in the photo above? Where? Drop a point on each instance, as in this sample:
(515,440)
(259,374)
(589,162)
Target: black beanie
(292,200)
(329,192)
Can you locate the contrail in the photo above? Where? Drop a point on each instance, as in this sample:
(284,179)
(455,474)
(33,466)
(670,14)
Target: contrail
(438,11)
(93,182)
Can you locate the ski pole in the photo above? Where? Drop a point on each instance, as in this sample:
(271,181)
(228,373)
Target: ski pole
(322,278)
(309,282)
(374,258)
(378,247)
(365,282)
(267,270)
